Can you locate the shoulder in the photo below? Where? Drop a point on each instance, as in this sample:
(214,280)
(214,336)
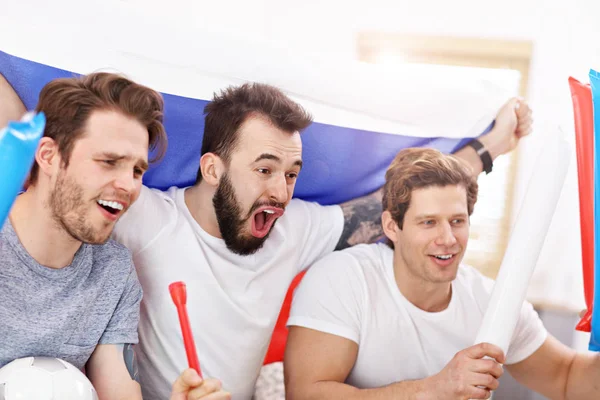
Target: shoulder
(151,207)
(111,251)
(164,199)
(356,261)
(305,218)
(153,199)
(112,264)
(301,208)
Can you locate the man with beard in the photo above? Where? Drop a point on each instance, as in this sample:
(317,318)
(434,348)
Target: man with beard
(213,236)
(66,290)
(398,320)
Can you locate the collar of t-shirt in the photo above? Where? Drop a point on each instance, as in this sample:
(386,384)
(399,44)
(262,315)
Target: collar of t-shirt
(388,262)
(11,237)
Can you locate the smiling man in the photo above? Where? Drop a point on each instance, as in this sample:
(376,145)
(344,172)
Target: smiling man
(398,320)
(66,289)
(237,239)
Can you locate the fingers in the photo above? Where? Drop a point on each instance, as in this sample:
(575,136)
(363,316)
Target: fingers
(187,380)
(485,349)
(487,366)
(209,390)
(220,395)
(514,103)
(524,124)
(525,130)
(521,106)
(189,386)
(485,381)
(524,118)
(479,393)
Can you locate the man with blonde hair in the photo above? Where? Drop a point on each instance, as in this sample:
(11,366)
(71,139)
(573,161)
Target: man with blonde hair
(398,320)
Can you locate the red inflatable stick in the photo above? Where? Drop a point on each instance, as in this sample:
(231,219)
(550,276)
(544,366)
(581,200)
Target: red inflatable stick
(584,137)
(179,296)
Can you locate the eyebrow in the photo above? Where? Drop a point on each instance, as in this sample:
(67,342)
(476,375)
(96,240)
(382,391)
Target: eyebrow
(425,216)
(117,157)
(273,157)
(433,216)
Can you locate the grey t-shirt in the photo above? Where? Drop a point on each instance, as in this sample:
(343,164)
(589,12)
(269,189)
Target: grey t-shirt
(66,312)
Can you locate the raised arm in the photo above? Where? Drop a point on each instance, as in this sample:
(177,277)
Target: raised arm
(11,106)
(513,122)
(362,216)
(362,220)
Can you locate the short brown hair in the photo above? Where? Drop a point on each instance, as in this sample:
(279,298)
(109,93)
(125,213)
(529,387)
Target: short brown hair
(229,109)
(417,168)
(69,102)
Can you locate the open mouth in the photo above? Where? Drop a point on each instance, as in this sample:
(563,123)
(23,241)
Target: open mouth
(263,220)
(111,207)
(443,259)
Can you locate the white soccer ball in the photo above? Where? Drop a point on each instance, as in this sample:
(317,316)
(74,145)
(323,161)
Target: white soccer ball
(44,378)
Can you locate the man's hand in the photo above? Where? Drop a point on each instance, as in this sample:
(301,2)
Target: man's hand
(189,386)
(513,122)
(468,375)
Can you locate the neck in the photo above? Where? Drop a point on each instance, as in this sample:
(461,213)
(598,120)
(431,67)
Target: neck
(44,239)
(426,295)
(198,200)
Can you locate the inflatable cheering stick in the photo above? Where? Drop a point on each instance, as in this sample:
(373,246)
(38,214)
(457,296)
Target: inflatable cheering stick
(179,296)
(595,85)
(581,94)
(18,144)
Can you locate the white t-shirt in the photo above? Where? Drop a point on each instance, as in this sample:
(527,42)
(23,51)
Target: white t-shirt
(353,294)
(233,301)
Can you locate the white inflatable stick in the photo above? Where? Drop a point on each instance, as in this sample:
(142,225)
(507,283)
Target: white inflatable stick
(526,240)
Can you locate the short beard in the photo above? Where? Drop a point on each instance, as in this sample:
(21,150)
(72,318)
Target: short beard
(69,211)
(231,223)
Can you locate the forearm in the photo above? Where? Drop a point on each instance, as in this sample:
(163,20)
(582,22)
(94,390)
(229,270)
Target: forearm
(362,216)
(413,390)
(583,380)
(469,154)
(362,220)
(11,106)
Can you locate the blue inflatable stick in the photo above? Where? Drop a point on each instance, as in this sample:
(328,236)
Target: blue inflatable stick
(18,143)
(595,85)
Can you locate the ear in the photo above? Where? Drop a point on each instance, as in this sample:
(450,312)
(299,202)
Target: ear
(47,156)
(212,167)
(390,227)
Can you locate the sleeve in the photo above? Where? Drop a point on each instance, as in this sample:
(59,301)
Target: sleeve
(145,220)
(330,297)
(123,325)
(317,230)
(529,335)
